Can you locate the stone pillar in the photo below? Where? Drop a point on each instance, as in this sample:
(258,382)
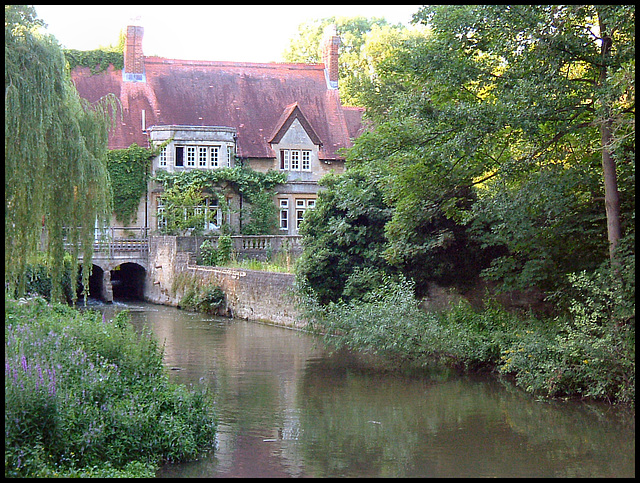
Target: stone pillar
(106,293)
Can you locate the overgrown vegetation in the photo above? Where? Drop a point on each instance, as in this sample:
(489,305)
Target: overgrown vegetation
(589,352)
(224,255)
(501,147)
(129,171)
(185,191)
(97,60)
(86,397)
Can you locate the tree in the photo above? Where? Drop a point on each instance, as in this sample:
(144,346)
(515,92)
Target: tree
(55,155)
(343,239)
(495,101)
(306,47)
(554,69)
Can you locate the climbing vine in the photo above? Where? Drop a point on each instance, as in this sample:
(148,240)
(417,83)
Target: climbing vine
(256,188)
(97,60)
(129,170)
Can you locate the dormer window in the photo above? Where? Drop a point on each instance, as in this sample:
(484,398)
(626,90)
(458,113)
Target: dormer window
(295,160)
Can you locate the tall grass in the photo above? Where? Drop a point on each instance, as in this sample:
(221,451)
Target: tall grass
(85,396)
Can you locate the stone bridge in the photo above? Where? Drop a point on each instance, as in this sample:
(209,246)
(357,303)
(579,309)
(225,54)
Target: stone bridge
(121,261)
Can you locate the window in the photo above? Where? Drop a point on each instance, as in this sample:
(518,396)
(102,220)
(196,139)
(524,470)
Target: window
(202,157)
(210,209)
(301,206)
(284,159)
(179,155)
(162,160)
(191,156)
(161,220)
(294,159)
(229,155)
(215,154)
(198,156)
(212,215)
(284,214)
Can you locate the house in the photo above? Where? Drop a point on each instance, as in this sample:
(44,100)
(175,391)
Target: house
(268,116)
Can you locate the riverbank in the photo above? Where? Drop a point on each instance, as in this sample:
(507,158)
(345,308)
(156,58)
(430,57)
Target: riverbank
(89,397)
(573,356)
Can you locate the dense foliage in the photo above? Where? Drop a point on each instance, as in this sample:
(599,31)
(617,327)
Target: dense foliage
(489,158)
(500,145)
(97,60)
(360,40)
(90,397)
(129,171)
(587,353)
(343,239)
(188,189)
(56,181)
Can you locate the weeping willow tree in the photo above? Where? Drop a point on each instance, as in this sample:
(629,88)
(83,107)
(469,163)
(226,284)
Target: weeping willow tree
(56,180)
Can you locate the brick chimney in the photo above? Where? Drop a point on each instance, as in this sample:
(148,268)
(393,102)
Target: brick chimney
(133,56)
(330,57)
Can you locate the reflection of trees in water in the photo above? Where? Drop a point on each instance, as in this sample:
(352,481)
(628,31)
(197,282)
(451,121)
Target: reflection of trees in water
(365,423)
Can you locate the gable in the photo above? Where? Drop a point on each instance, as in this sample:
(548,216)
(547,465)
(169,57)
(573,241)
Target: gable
(293,113)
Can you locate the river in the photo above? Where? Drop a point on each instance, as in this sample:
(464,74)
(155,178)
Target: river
(289,408)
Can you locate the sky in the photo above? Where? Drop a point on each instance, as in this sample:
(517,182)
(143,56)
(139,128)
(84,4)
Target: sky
(238,33)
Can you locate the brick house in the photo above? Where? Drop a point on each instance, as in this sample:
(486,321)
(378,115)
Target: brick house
(268,116)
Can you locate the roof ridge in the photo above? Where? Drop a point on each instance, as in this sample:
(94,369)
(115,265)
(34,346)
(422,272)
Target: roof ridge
(294,65)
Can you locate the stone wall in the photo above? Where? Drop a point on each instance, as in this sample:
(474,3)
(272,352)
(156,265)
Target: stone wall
(249,294)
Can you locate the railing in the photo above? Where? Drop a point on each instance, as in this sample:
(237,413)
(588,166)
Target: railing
(266,242)
(121,241)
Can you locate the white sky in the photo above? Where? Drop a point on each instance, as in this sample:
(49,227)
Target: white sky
(240,33)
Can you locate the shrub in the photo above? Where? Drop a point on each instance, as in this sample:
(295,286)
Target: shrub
(85,396)
(208,254)
(225,249)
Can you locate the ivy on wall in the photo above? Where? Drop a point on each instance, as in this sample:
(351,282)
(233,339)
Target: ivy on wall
(129,170)
(258,216)
(97,60)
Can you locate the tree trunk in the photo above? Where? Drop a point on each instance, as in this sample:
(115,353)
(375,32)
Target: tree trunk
(611,195)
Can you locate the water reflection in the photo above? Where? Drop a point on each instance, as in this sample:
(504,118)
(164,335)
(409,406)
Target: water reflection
(288,409)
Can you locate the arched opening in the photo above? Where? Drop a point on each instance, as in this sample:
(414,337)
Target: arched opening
(96,285)
(95,282)
(127,281)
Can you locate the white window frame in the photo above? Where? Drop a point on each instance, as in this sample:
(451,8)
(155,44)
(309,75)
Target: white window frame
(306,160)
(190,157)
(284,160)
(229,155)
(162,158)
(284,214)
(161,221)
(302,205)
(202,156)
(214,156)
(295,160)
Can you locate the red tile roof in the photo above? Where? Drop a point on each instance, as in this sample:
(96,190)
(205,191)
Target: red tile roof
(250,97)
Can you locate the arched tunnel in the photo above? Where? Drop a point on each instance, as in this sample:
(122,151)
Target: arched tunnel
(125,282)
